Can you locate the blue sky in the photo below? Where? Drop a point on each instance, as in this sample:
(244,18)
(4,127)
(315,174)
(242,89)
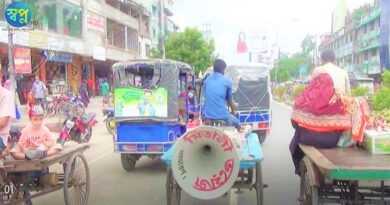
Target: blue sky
(227,18)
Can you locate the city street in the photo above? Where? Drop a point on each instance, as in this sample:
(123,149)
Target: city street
(111,184)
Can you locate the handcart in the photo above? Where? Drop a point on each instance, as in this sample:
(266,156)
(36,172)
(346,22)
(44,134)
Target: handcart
(249,177)
(344,176)
(22,180)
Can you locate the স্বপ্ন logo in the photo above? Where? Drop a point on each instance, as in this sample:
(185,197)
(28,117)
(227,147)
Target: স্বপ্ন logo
(18,14)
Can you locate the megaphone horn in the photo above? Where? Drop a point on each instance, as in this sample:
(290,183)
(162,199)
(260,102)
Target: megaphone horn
(205,162)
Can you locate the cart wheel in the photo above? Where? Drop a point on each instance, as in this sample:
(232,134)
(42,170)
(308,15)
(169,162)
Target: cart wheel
(76,181)
(261,135)
(259,185)
(128,161)
(309,193)
(173,190)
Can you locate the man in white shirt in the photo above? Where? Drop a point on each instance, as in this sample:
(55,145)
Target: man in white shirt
(339,76)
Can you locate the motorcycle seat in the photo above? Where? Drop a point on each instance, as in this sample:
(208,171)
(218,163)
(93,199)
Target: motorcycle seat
(87,118)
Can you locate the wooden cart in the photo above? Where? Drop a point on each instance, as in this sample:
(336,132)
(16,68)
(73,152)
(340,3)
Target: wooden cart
(23,180)
(344,176)
(250,164)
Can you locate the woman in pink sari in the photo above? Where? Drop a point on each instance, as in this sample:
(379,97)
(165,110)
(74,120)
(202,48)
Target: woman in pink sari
(325,109)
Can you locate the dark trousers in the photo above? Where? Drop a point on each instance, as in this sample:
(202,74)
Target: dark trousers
(323,140)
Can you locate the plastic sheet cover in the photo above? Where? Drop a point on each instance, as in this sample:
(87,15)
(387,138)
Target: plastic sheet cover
(250,86)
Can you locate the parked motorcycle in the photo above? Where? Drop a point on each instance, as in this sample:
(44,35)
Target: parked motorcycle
(72,104)
(78,129)
(108,116)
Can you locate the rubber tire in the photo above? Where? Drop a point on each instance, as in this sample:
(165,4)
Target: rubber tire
(128,161)
(261,135)
(87,138)
(259,186)
(173,190)
(307,198)
(69,171)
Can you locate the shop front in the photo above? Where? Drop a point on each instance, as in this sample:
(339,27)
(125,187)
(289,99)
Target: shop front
(55,72)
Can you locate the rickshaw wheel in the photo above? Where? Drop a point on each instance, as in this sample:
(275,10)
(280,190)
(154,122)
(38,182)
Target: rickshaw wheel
(259,185)
(173,190)
(308,193)
(128,161)
(76,180)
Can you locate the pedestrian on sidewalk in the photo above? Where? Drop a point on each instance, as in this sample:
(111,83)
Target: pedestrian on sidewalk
(6,116)
(39,90)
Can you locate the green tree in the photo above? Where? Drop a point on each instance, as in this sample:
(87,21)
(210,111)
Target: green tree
(381,99)
(288,67)
(155,53)
(190,47)
(308,44)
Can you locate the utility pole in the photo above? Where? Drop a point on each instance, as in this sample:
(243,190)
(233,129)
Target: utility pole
(10,56)
(161,25)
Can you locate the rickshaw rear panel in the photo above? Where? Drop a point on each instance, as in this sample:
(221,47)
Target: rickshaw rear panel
(147,114)
(150,138)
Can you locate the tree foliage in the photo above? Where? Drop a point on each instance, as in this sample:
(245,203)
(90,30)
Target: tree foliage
(190,47)
(308,44)
(381,99)
(288,67)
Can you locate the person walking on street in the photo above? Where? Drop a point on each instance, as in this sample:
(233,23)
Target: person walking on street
(6,116)
(105,90)
(39,90)
(84,93)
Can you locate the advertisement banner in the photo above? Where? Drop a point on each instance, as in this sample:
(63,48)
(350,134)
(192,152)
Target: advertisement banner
(338,16)
(135,102)
(22,60)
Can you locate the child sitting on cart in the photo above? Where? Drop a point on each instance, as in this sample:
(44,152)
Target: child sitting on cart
(35,141)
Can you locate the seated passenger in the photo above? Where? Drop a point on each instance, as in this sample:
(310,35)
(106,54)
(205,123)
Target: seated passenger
(218,96)
(324,110)
(35,141)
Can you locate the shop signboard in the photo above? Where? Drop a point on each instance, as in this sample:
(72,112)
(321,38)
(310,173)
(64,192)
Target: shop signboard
(22,60)
(58,57)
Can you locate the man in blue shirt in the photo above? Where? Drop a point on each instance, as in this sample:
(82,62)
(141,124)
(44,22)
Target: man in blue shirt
(218,94)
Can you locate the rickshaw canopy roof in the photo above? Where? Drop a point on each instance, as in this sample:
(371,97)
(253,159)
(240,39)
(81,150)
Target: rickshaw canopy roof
(183,68)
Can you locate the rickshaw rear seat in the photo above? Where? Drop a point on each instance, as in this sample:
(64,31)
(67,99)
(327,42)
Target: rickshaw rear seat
(215,123)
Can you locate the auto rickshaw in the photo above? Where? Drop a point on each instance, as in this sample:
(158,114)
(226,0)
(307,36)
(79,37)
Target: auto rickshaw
(150,109)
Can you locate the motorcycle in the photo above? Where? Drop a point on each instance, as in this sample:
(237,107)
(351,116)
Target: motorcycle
(108,114)
(78,129)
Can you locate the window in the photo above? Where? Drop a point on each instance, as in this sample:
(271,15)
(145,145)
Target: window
(365,55)
(72,21)
(115,34)
(121,36)
(132,40)
(147,50)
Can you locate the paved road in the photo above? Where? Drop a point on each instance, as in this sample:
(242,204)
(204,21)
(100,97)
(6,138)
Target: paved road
(110,184)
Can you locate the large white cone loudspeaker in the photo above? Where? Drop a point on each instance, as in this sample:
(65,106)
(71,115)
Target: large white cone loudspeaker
(205,162)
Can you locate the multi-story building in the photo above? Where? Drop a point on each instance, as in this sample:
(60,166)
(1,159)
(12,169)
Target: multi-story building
(160,24)
(68,41)
(357,44)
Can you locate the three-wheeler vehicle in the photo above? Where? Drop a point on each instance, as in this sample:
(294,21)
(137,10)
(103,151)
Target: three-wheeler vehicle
(252,96)
(148,110)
